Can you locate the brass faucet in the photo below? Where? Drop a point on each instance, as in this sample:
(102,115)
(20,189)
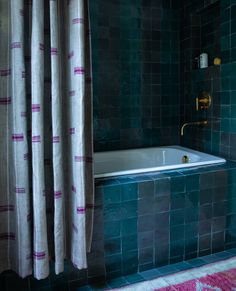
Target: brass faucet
(205,122)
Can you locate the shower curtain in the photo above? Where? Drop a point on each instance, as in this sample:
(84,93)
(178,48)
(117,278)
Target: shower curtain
(46,174)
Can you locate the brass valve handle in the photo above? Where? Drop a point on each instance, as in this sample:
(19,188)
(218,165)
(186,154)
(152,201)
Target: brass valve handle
(203,101)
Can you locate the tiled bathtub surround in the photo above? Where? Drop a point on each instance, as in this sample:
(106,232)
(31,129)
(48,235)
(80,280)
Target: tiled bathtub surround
(161,219)
(151,220)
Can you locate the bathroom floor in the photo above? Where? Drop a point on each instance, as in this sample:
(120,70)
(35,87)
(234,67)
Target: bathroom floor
(155,278)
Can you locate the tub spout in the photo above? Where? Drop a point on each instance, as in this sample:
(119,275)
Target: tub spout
(205,122)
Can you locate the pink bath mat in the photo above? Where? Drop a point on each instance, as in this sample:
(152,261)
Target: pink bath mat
(218,276)
(222,281)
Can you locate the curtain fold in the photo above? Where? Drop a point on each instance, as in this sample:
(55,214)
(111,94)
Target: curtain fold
(46,173)
(57,129)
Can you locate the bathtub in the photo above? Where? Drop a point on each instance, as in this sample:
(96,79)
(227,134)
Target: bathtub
(134,161)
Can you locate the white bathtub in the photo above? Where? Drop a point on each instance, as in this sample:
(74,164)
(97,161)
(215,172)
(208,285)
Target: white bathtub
(124,162)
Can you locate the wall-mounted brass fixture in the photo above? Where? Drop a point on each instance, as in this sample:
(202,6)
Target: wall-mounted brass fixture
(203,101)
(204,122)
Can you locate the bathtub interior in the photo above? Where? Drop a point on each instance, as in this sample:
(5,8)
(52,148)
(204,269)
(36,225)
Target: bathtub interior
(149,159)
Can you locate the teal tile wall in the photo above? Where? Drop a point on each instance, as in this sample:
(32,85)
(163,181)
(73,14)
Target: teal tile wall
(208,138)
(135,47)
(219,137)
(146,80)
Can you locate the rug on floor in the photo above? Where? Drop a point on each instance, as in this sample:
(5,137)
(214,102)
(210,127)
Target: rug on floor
(220,281)
(218,276)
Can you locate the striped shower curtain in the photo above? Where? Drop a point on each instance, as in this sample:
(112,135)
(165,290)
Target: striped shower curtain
(46,178)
